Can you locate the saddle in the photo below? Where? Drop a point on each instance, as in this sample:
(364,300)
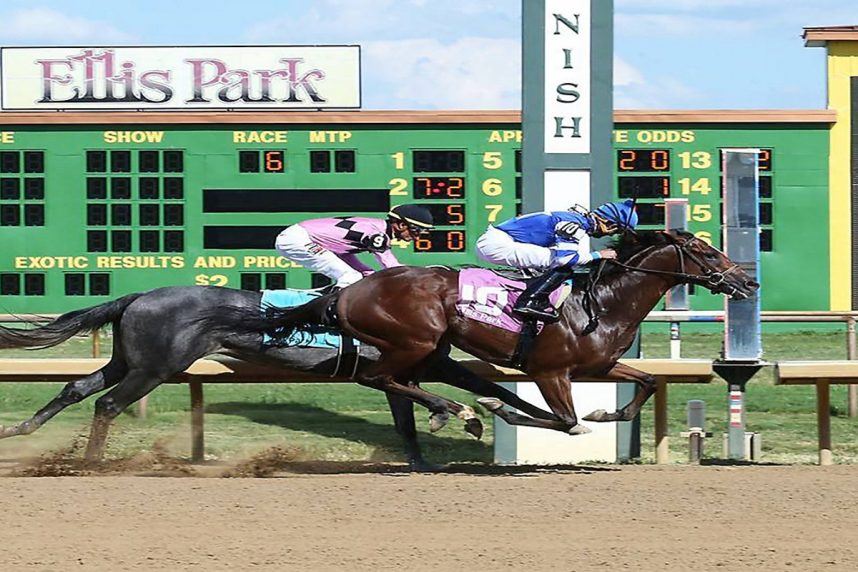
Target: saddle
(489,296)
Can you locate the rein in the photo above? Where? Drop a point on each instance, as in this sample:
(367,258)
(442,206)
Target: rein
(709,278)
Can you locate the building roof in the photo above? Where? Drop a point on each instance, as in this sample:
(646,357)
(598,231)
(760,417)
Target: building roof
(818,36)
(372,117)
(726,116)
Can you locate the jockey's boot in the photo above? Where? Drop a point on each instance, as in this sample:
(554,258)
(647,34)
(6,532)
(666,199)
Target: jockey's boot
(534,302)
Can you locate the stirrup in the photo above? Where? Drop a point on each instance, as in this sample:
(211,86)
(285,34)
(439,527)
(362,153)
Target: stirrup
(548,315)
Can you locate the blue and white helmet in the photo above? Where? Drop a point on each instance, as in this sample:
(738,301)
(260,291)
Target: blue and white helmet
(621,213)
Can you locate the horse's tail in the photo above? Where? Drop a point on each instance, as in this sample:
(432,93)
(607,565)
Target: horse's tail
(66,326)
(279,323)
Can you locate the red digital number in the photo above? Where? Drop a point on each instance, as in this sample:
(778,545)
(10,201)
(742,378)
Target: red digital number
(273,161)
(454,191)
(660,160)
(455,214)
(422,244)
(627,160)
(765,160)
(455,240)
(426,183)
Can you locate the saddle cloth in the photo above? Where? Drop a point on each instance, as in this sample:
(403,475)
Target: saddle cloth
(309,338)
(487,297)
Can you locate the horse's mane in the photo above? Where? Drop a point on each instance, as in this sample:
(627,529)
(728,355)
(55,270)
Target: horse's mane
(629,244)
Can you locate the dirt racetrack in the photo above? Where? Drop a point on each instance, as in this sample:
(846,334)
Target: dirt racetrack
(588,518)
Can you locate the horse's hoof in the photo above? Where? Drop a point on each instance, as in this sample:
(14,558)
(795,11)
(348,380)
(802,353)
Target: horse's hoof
(579,430)
(490,403)
(12,431)
(597,415)
(474,427)
(437,421)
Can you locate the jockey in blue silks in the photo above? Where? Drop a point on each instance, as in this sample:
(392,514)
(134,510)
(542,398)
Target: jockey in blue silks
(551,241)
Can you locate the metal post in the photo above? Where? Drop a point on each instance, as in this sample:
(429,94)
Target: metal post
(676,218)
(675,341)
(736,422)
(742,334)
(197,437)
(696,415)
(851,353)
(695,446)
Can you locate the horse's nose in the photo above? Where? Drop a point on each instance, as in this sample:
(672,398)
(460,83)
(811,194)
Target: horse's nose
(752,284)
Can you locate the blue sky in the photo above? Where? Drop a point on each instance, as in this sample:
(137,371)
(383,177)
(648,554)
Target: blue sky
(465,54)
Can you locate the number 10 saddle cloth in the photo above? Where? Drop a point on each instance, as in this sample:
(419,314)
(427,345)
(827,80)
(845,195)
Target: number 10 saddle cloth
(487,297)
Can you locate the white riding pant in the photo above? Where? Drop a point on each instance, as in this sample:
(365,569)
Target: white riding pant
(295,244)
(498,247)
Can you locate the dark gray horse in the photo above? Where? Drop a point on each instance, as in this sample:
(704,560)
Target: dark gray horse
(160,333)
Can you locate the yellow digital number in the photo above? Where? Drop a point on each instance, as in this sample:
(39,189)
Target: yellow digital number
(492,160)
(397,187)
(211,280)
(700,213)
(704,236)
(701,186)
(492,187)
(494,210)
(399,160)
(696,160)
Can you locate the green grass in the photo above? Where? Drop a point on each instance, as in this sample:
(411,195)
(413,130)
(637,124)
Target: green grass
(784,415)
(327,421)
(347,422)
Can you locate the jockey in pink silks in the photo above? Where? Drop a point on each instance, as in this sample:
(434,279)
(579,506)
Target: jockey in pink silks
(330,245)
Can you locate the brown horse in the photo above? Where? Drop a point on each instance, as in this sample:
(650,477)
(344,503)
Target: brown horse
(410,315)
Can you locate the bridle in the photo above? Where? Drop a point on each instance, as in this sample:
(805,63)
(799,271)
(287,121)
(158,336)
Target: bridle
(710,278)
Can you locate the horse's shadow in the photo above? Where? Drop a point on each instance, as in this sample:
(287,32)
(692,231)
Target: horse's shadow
(382,436)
